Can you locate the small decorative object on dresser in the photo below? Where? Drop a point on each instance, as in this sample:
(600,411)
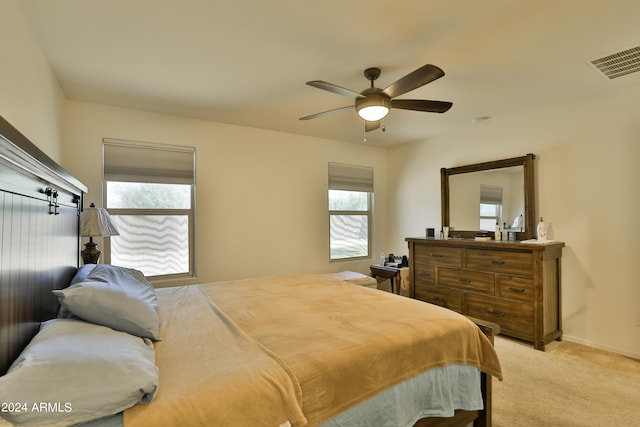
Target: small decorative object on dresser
(542,230)
(513,284)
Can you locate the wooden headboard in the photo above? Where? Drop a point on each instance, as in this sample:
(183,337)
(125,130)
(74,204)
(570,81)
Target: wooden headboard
(39,238)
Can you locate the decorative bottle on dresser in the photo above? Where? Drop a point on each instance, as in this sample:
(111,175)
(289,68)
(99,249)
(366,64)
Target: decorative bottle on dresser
(542,230)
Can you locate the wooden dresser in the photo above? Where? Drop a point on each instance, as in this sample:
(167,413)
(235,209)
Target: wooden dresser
(513,284)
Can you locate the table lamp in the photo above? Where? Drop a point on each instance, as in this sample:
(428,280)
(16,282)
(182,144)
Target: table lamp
(95,222)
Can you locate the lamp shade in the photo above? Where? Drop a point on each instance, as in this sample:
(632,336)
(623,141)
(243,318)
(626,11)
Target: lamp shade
(96,222)
(373,113)
(374,105)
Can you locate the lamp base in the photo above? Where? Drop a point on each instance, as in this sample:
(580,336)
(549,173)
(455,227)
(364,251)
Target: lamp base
(91,253)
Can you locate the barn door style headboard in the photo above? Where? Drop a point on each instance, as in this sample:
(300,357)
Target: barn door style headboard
(39,238)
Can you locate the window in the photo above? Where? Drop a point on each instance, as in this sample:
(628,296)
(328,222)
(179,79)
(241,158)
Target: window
(490,206)
(150,194)
(350,200)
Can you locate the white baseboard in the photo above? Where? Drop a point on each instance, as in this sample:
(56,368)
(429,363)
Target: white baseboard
(601,347)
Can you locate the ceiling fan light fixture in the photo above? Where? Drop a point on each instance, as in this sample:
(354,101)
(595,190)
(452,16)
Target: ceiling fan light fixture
(373,113)
(374,106)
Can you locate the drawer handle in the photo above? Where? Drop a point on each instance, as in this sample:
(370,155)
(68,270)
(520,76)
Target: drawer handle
(496,262)
(496,313)
(435,255)
(519,290)
(424,273)
(463,280)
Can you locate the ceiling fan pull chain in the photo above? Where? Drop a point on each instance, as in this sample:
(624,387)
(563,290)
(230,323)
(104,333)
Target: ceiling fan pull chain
(364,132)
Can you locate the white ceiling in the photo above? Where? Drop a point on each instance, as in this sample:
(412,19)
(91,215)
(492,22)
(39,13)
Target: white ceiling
(246,62)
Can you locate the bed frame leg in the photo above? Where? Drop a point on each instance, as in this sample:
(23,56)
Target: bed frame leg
(484,416)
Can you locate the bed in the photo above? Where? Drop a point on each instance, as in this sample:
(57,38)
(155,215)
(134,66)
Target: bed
(294,350)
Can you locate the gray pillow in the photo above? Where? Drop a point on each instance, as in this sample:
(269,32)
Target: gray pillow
(82,273)
(79,371)
(117,297)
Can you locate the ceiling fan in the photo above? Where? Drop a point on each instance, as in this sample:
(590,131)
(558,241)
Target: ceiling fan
(373,104)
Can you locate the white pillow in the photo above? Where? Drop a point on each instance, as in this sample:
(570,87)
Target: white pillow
(117,297)
(73,371)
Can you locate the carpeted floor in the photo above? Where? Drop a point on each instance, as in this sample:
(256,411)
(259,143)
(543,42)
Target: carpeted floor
(569,385)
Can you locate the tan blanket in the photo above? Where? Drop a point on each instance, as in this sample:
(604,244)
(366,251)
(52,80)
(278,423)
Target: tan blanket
(344,344)
(212,373)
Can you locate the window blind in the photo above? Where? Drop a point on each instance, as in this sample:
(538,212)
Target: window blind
(350,178)
(141,162)
(490,194)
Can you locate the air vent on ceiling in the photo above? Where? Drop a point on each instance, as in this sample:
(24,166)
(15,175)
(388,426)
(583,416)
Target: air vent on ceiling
(618,64)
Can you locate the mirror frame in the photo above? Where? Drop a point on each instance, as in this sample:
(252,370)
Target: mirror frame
(529,193)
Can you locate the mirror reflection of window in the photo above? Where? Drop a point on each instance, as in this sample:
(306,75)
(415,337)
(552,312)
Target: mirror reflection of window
(490,206)
(464,197)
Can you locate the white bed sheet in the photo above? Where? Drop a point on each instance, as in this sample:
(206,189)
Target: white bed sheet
(402,405)
(435,393)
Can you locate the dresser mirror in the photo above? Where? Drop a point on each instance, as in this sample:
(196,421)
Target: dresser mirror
(475,197)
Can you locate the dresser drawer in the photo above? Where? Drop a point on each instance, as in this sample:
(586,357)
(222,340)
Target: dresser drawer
(467,280)
(513,284)
(512,316)
(446,298)
(513,287)
(518,263)
(425,274)
(438,255)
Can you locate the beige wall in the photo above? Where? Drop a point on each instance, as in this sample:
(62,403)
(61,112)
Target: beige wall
(261,195)
(587,176)
(30,97)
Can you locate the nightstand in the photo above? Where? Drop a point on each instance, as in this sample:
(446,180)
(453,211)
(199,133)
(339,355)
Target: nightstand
(384,272)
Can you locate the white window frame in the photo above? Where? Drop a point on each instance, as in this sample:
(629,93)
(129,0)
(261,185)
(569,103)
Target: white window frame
(491,195)
(190,213)
(351,178)
(495,218)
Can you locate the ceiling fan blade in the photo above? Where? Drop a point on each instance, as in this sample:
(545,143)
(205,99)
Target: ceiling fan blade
(326,113)
(421,105)
(334,88)
(415,79)
(369,126)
